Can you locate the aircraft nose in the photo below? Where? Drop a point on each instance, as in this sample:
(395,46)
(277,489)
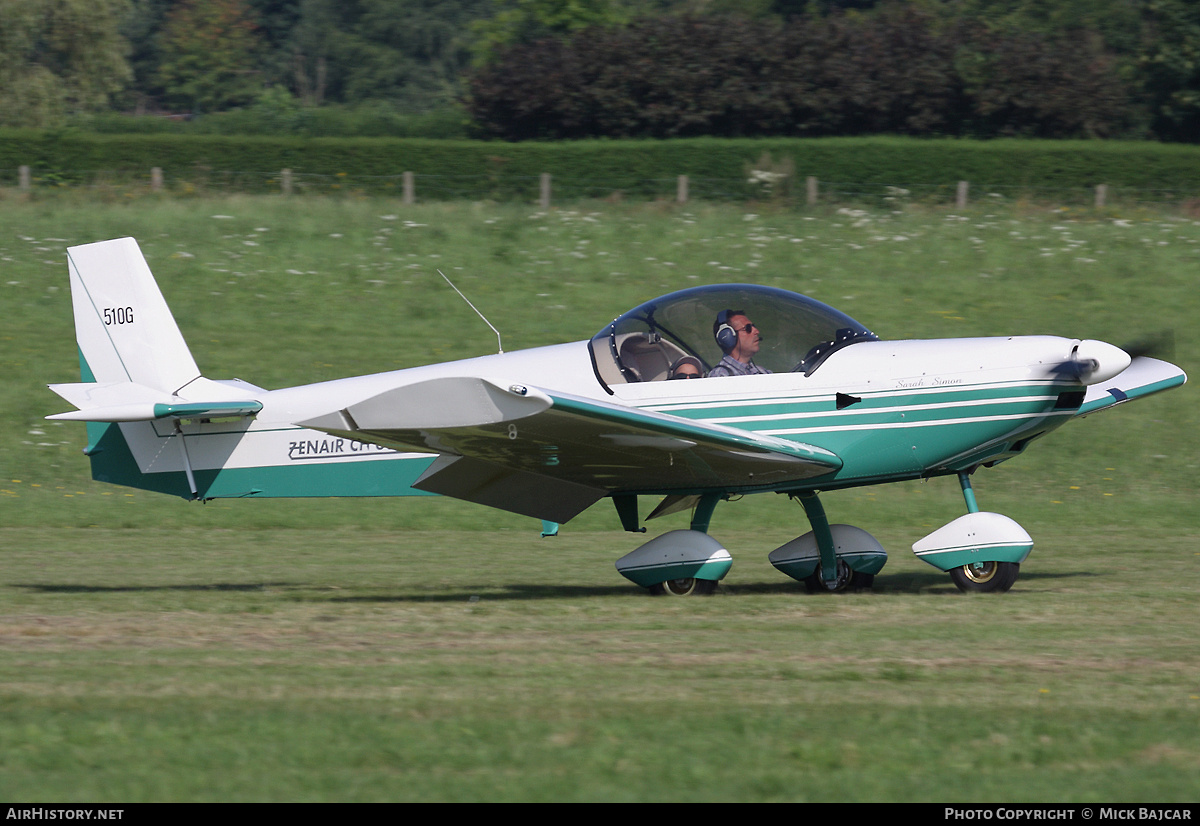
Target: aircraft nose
(1098,360)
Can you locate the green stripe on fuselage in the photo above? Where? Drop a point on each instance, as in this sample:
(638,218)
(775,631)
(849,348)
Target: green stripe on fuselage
(772,412)
(898,433)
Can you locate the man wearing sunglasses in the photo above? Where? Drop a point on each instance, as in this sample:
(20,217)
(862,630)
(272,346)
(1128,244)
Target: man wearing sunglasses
(739,340)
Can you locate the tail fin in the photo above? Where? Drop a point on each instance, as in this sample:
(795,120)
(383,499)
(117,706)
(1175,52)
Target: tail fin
(124,329)
(133,359)
(155,423)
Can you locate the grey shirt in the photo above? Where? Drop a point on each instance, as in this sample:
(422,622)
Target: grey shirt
(729,366)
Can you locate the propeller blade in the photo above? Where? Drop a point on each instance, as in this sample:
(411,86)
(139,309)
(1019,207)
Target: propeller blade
(1159,346)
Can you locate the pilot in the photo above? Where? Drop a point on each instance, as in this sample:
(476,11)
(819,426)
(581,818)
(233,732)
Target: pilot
(739,340)
(686,367)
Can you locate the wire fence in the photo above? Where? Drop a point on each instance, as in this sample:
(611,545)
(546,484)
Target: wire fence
(546,190)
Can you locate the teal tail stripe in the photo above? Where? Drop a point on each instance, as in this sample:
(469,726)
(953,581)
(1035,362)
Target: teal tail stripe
(197,410)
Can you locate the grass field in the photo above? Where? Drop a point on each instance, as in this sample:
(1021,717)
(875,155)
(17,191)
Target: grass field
(156,650)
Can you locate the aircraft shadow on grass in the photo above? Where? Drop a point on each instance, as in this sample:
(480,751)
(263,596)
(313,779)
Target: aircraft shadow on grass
(914,584)
(920,583)
(67,588)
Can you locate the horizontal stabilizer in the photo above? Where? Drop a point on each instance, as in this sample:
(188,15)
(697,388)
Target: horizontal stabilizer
(1143,377)
(131,402)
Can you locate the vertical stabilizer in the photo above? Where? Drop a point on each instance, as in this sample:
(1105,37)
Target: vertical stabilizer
(155,423)
(124,329)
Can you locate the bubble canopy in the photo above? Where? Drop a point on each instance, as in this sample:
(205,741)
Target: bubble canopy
(798,332)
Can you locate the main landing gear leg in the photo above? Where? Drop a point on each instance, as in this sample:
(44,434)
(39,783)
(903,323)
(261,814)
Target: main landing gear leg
(684,586)
(678,563)
(829,557)
(815,511)
(704,511)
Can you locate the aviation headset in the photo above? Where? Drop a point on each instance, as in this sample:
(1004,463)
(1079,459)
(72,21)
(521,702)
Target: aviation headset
(725,335)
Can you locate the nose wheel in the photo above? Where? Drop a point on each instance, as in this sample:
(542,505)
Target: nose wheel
(981,551)
(985,577)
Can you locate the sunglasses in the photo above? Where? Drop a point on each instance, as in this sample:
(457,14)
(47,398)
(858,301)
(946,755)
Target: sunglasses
(749,328)
(684,376)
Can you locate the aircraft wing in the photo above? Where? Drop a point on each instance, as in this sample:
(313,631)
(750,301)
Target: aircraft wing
(1142,377)
(551,455)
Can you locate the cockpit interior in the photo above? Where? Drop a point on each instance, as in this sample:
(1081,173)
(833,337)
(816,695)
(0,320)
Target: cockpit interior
(646,343)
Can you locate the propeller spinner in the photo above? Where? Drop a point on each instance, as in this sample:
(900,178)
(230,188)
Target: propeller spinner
(1094,361)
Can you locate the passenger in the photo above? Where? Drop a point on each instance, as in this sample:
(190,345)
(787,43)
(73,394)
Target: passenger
(739,340)
(687,367)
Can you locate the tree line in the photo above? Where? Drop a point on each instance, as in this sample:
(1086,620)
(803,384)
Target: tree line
(556,69)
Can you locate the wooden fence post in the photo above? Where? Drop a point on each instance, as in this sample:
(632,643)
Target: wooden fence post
(285,182)
(409,188)
(24,178)
(1101,195)
(960,195)
(681,189)
(544,198)
(156,179)
(810,186)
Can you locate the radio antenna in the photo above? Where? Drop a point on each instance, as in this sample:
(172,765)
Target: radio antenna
(499,346)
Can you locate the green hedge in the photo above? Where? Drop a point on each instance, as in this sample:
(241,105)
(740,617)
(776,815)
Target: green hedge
(717,168)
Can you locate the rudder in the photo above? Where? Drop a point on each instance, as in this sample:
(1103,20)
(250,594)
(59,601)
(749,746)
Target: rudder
(124,329)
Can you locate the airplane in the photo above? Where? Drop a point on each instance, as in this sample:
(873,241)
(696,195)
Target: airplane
(548,432)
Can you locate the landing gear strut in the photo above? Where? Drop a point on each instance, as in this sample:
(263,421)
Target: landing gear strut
(847,580)
(829,558)
(677,563)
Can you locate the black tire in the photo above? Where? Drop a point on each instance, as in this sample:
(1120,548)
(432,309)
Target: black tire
(985,577)
(847,580)
(684,587)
